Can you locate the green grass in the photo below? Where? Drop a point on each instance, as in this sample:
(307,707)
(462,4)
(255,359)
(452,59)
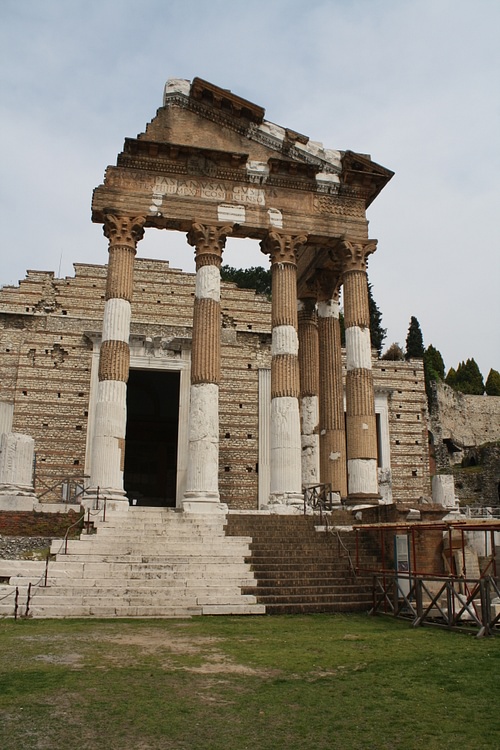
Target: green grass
(352,682)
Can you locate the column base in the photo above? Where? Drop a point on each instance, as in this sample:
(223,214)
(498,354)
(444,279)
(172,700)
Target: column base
(203,505)
(286,503)
(115,499)
(362,498)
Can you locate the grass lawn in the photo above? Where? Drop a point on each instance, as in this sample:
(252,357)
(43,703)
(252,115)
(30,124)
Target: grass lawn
(316,682)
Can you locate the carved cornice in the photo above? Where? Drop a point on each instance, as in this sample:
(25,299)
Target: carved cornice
(124,230)
(282,248)
(209,241)
(355,254)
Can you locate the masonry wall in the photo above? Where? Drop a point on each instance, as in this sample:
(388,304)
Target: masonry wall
(47,327)
(408,426)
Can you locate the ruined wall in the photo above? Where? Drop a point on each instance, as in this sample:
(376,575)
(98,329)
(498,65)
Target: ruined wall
(46,331)
(466,420)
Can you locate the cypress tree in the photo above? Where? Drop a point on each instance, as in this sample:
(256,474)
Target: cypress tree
(377,333)
(414,340)
(492,386)
(468,378)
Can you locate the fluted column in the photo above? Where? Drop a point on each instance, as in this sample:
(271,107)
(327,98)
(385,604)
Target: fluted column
(332,422)
(309,389)
(202,487)
(285,443)
(108,447)
(360,400)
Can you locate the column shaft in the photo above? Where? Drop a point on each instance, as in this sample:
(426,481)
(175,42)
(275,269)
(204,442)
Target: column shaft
(285,442)
(360,400)
(202,487)
(108,448)
(332,421)
(309,389)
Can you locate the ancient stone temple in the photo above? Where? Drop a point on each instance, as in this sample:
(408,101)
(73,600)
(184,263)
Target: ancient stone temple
(163,388)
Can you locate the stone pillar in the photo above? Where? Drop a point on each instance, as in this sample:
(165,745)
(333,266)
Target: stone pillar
(285,443)
(309,389)
(331,409)
(108,448)
(16,471)
(360,400)
(202,487)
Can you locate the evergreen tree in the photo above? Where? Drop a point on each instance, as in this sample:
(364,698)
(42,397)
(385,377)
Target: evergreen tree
(394,353)
(256,277)
(468,378)
(451,377)
(414,340)
(377,333)
(492,386)
(433,368)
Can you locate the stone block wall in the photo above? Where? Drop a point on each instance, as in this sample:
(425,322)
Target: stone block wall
(408,427)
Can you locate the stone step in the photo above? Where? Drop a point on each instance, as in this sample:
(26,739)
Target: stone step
(91,584)
(316,608)
(137,596)
(89,569)
(39,610)
(158,560)
(153,547)
(288,591)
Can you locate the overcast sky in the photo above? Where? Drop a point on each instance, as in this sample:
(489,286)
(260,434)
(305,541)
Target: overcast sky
(413,83)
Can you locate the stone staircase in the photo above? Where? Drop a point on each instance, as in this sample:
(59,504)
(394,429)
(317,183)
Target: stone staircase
(302,570)
(142,562)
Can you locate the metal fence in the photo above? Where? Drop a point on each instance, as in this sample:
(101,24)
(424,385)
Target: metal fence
(456,603)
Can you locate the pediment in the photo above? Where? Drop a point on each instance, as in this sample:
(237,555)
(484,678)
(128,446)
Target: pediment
(212,154)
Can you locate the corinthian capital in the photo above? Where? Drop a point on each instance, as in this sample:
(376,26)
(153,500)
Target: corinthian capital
(282,248)
(209,242)
(124,230)
(355,253)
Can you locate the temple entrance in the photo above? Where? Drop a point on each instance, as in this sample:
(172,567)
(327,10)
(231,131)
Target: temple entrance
(150,472)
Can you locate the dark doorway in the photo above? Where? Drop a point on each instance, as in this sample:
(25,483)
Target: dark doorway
(150,473)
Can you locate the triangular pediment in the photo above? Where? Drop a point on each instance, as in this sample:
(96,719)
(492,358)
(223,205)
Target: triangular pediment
(208,151)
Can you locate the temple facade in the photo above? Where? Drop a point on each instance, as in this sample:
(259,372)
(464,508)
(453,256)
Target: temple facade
(154,386)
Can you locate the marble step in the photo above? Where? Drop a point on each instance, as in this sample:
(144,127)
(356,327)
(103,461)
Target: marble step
(134,596)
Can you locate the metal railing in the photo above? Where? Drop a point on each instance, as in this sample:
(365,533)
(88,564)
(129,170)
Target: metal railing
(452,602)
(72,488)
(480,511)
(319,497)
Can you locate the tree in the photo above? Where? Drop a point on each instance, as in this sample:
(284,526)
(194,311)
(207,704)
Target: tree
(256,277)
(377,333)
(414,340)
(394,353)
(433,368)
(451,377)
(468,378)
(492,386)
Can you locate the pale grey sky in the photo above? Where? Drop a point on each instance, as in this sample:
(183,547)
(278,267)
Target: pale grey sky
(414,83)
